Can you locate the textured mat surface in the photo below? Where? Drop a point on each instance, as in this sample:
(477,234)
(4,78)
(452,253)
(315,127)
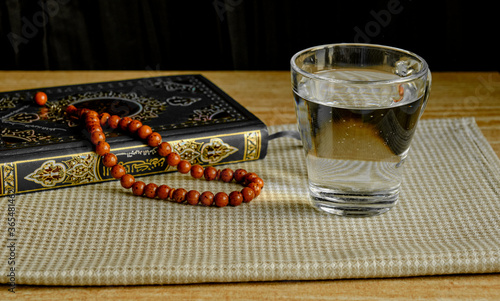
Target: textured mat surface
(447,221)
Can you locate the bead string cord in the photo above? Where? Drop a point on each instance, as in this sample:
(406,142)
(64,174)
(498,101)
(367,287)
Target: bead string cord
(94,123)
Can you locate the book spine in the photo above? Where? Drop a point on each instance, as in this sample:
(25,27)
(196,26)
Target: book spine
(65,168)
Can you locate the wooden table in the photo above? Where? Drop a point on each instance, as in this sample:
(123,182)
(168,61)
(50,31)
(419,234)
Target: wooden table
(268,95)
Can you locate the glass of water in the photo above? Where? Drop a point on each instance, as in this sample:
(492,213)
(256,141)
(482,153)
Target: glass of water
(357,108)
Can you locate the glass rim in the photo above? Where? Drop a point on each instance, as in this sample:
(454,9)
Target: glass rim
(423,71)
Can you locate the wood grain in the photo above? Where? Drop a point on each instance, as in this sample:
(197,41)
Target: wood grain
(269,96)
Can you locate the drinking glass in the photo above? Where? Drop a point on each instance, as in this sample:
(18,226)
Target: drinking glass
(357,108)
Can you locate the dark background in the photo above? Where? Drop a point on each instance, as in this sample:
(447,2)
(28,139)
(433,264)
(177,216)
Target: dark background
(238,34)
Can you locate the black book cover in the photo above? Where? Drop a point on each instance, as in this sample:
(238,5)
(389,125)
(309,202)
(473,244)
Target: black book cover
(42,149)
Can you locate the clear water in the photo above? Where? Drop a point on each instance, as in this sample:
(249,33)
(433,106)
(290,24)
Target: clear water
(356,141)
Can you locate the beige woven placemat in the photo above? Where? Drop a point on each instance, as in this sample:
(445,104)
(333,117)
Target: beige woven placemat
(447,221)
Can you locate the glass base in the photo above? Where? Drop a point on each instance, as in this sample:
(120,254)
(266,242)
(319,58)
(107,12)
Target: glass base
(353,204)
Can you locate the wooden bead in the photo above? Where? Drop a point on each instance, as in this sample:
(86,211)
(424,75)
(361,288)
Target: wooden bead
(124,123)
(248,194)
(114,121)
(207,198)
(235,198)
(92,114)
(164,149)
(184,166)
(71,110)
(41,98)
(221,199)
(109,160)
(226,175)
(118,171)
(82,112)
(173,159)
(103,119)
(93,127)
(102,148)
(239,175)
(193,197)
(138,188)
(258,181)
(249,177)
(134,126)
(163,192)
(171,193)
(127,181)
(179,195)
(197,171)
(210,173)
(154,139)
(255,187)
(97,137)
(93,119)
(150,190)
(144,131)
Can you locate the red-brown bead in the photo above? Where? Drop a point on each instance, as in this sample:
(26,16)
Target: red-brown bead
(41,98)
(92,114)
(179,195)
(114,121)
(93,127)
(221,199)
(248,194)
(249,177)
(71,110)
(184,166)
(102,148)
(124,123)
(82,112)
(134,126)
(97,137)
(138,188)
(103,118)
(239,175)
(150,190)
(226,175)
(154,139)
(109,160)
(193,197)
(127,181)
(173,159)
(197,171)
(255,187)
(163,192)
(144,131)
(171,193)
(118,171)
(258,181)
(92,119)
(210,173)
(164,149)
(207,198)
(235,198)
